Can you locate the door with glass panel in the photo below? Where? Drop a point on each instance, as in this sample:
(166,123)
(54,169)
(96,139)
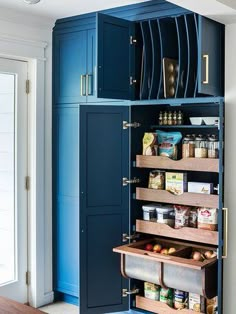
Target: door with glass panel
(13,171)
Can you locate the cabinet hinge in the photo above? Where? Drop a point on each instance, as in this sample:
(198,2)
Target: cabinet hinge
(127,125)
(132,81)
(27,183)
(132,40)
(27,278)
(27,86)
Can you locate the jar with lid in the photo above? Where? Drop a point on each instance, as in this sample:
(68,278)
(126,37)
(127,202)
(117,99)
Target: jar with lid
(213,146)
(201,146)
(165,118)
(188,146)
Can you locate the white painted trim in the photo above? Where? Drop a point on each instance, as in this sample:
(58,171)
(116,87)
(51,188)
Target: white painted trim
(27,42)
(34,53)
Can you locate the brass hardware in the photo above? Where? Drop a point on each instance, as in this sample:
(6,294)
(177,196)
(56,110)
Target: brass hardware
(206,81)
(89,90)
(125,292)
(27,183)
(126,237)
(27,278)
(127,125)
(225,248)
(170,74)
(82,77)
(132,40)
(27,86)
(126,181)
(132,81)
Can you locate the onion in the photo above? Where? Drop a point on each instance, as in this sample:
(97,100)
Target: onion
(208,254)
(197,256)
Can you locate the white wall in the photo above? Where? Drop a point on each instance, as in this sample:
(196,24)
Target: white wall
(230,168)
(21,28)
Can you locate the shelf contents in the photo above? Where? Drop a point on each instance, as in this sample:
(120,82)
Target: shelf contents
(201,147)
(156,180)
(208,218)
(149,212)
(170,75)
(213,147)
(176,182)
(151,291)
(167,143)
(182,214)
(204,120)
(200,187)
(166,296)
(197,302)
(165,214)
(150,144)
(170,118)
(188,146)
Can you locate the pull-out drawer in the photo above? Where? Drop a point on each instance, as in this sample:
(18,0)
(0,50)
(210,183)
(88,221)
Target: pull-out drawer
(176,270)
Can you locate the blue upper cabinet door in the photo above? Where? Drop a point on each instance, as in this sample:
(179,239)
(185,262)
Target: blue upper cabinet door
(70,67)
(210,57)
(115,58)
(104,210)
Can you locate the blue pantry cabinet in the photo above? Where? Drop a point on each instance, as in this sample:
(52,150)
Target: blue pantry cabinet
(97,147)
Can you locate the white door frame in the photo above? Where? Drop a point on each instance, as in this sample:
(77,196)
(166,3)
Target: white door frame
(39,215)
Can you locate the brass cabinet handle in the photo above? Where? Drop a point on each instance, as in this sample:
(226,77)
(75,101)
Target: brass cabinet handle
(206,57)
(225,248)
(89,82)
(82,89)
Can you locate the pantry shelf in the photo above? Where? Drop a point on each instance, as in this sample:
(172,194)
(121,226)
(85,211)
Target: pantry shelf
(157,306)
(185,126)
(191,199)
(188,164)
(185,233)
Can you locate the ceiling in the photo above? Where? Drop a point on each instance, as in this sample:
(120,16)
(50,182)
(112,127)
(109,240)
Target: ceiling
(63,8)
(221,10)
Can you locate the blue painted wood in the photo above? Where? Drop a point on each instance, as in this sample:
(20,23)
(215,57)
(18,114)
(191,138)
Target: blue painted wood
(66,201)
(58,296)
(70,64)
(114,57)
(91,65)
(211,43)
(104,161)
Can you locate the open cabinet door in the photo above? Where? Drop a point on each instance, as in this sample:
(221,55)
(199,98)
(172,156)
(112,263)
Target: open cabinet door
(115,53)
(104,207)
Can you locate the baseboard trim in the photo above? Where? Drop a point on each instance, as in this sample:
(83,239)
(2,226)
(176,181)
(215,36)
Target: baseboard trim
(46,299)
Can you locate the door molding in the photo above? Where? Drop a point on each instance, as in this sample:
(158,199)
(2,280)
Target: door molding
(39,220)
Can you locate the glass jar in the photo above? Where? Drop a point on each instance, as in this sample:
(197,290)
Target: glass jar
(213,147)
(188,146)
(201,146)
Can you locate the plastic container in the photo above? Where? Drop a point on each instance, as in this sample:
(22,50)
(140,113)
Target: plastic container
(149,212)
(165,214)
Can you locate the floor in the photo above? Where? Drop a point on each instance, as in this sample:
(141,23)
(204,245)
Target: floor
(60,308)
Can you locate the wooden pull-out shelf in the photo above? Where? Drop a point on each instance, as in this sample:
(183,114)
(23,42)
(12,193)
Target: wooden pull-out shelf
(187,164)
(191,199)
(185,233)
(158,307)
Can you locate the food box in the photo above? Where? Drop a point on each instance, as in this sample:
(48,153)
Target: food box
(151,291)
(176,182)
(196,302)
(200,187)
(149,212)
(150,144)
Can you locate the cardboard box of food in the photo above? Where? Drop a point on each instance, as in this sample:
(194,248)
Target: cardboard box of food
(200,187)
(176,182)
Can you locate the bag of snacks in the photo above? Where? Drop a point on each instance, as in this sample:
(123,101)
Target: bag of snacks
(207,218)
(167,143)
(181,216)
(150,144)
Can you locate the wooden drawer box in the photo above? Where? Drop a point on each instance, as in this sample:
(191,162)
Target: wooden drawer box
(177,270)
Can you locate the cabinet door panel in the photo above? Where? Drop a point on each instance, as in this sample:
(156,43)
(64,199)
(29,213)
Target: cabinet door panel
(70,65)
(115,57)
(210,57)
(104,207)
(65,200)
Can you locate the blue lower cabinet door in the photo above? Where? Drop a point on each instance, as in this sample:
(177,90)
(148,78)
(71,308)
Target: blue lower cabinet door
(66,201)
(104,207)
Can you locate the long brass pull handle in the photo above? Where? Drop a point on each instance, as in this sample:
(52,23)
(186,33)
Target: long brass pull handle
(225,249)
(89,84)
(82,92)
(206,81)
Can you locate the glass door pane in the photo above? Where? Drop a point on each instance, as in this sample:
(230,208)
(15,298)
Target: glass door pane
(7,180)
